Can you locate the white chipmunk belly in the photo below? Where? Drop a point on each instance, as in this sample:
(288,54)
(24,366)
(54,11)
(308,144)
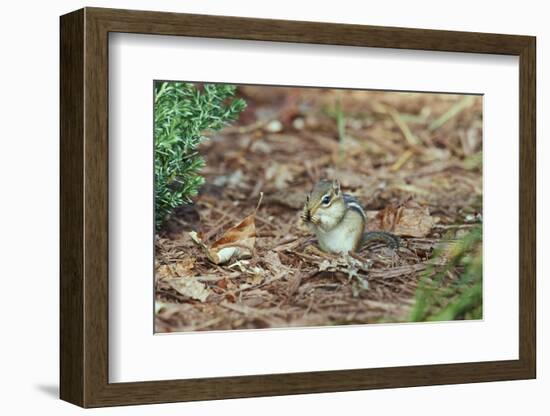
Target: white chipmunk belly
(343,237)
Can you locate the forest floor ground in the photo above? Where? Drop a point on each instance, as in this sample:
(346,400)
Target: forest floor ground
(413,160)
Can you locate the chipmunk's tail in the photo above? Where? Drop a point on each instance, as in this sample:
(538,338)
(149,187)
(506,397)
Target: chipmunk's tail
(389,238)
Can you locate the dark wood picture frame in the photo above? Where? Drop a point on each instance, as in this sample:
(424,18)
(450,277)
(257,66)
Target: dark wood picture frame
(84,207)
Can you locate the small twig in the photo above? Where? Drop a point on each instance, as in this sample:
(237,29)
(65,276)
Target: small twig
(411,139)
(259,202)
(451,226)
(246,129)
(266,221)
(455,109)
(404,158)
(220,225)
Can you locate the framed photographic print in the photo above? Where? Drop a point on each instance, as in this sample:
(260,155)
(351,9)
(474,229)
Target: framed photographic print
(256,207)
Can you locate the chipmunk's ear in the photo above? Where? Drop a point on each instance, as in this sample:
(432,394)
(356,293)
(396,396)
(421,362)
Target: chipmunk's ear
(336,186)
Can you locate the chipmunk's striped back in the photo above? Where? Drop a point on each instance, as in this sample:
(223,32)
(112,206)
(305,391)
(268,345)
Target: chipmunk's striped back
(353,203)
(390,239)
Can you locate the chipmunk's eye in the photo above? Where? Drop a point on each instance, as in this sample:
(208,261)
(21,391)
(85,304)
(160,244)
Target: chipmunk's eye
(325,200)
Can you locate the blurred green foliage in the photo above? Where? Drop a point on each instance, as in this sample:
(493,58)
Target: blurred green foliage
(184,115)
(441,298)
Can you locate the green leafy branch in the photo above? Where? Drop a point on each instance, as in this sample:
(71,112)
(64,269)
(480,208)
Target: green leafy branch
(184,114)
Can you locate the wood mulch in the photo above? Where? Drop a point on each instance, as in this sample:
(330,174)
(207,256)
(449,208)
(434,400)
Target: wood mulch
(414,160)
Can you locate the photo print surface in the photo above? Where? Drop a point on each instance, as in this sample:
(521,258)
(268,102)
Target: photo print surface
(280,207)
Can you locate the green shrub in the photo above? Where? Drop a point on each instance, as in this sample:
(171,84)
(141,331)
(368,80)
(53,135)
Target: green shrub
(437,298)
(184,114)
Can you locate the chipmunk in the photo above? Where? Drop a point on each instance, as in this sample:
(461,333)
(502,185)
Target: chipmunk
(338,220)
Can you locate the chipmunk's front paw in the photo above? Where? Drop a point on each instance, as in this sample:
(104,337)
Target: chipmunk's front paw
(315,250)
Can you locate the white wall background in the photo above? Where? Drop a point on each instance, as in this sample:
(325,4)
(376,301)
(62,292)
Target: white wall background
(29,206)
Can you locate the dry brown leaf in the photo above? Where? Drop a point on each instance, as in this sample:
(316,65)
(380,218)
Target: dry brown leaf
(410,221)
(190,287)
(164,272)
(178,269)
(272,259)
(349,265)
(236,242)
(184,267)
